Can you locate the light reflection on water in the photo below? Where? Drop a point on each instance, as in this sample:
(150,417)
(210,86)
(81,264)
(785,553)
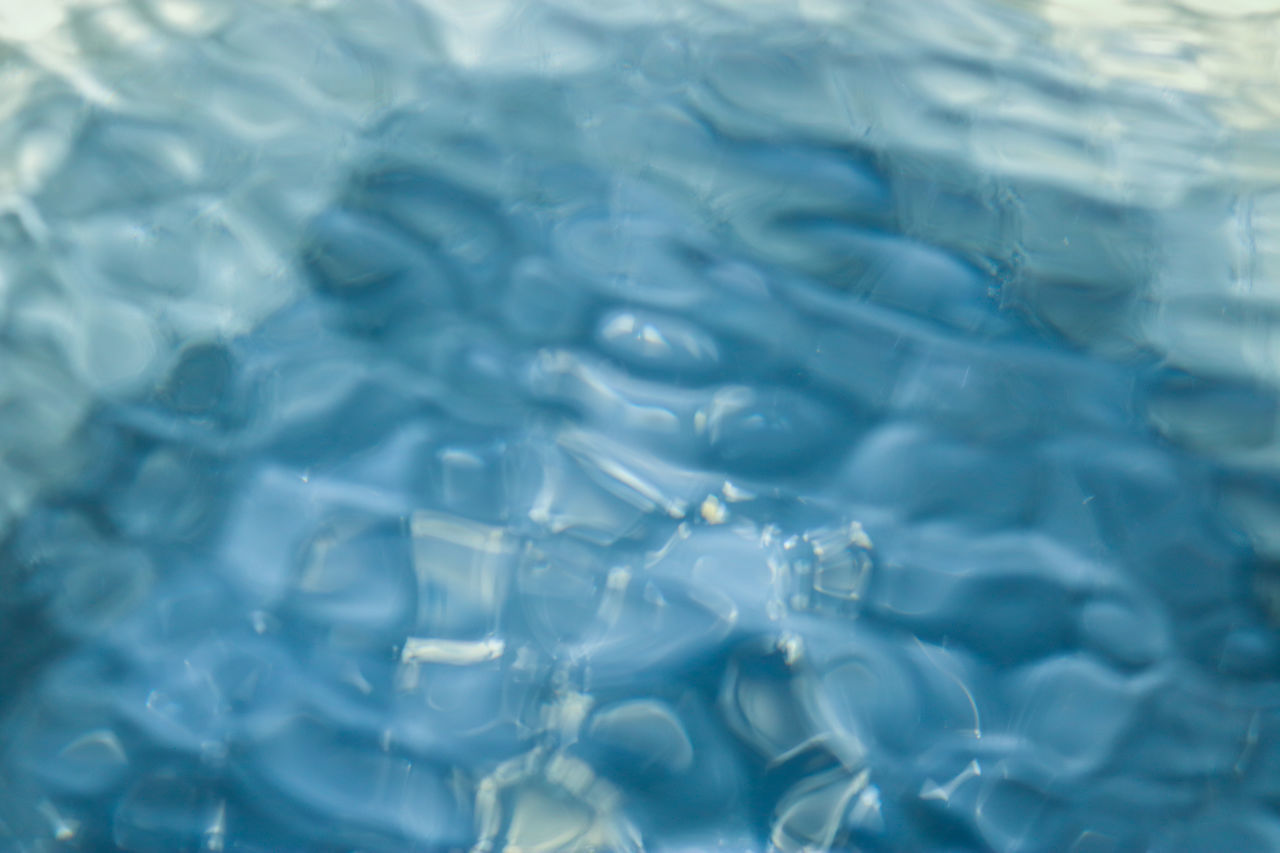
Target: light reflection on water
(564,427)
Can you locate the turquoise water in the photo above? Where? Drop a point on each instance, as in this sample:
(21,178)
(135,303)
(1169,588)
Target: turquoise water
(545,427)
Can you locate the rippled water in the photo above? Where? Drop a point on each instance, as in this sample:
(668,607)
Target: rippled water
(639,426)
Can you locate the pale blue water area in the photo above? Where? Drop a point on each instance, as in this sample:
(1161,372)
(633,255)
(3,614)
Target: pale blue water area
(560,426)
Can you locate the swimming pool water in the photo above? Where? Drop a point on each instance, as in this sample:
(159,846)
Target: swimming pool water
(563,426)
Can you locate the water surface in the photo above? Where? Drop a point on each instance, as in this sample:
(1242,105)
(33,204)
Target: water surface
(562,426)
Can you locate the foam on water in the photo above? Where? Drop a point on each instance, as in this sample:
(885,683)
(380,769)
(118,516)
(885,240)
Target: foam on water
(617,426)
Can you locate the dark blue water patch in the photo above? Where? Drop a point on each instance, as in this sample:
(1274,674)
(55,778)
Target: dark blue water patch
(449,219)
(379,278)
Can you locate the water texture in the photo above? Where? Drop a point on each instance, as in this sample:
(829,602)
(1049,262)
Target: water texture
(569,426)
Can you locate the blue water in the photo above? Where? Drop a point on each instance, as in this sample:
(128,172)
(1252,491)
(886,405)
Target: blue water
(547,427)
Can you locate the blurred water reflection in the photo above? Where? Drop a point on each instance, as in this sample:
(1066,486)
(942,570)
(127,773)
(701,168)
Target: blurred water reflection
(566,426)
